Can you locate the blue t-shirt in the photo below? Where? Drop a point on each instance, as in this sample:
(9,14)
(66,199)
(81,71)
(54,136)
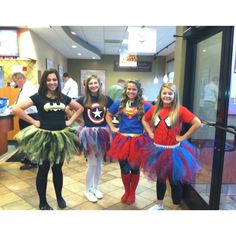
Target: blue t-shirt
(129,122)
(94,116)
(52,115)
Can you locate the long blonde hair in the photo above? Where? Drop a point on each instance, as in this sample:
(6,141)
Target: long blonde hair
(174,108)
(138,99)
(102,99)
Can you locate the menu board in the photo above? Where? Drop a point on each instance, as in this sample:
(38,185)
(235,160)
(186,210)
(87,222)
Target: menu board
(142,66)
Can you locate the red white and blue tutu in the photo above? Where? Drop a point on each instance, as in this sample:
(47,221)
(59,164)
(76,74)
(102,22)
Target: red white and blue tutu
(127,147)
(94,140)
(176,163)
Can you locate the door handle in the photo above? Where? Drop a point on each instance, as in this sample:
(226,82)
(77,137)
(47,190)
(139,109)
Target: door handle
(233,131)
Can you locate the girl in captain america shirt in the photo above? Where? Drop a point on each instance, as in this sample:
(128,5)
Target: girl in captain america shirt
(129,136)
(94,135)
(171,156)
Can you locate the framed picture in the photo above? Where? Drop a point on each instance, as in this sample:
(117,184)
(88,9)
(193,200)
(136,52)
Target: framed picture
(61,72)
(50,64)
(84,76)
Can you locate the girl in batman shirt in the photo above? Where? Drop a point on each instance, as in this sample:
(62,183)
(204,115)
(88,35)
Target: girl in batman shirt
(50,140)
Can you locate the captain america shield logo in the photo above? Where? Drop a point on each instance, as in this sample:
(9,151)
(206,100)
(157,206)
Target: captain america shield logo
(96,115)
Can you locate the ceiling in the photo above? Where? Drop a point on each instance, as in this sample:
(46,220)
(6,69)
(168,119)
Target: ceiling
(94,41)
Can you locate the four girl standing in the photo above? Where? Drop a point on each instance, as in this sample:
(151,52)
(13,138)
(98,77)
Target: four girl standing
(169,157)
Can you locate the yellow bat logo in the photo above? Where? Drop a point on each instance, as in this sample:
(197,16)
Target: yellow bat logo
(54,107)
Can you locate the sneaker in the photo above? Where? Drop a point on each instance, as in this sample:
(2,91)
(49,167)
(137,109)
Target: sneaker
(156,208)
(98,194)
(90,196)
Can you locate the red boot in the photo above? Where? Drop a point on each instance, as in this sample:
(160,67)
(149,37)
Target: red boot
(126,182)
(133,185)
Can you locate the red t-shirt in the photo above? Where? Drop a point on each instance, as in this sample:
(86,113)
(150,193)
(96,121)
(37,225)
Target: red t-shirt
(163,133)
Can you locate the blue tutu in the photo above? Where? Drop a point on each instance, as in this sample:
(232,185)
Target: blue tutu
(177,163)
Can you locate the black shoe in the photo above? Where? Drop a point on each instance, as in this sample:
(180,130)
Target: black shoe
(23,161)
(61,203)
(45,207)
(28,166)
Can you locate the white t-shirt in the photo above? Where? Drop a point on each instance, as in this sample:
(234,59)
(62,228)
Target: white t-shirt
(210,92)
(27,90)
(71,88)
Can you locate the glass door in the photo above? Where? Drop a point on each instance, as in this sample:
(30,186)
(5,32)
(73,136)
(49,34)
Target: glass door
(208,56)
(206,61)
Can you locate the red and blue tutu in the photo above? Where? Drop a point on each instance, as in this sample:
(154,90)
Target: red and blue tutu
(94,140)
(176,163)
(127,147)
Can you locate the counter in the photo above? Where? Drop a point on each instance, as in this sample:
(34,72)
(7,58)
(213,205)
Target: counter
(6,125)
(11,94)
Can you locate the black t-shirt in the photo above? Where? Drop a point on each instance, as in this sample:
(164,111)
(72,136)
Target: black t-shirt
(94,116)
(52,116)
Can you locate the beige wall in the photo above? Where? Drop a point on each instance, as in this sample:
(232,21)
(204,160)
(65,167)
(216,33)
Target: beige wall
(43,50)
(179,66)
(107,62)
(34,47)
(170,57)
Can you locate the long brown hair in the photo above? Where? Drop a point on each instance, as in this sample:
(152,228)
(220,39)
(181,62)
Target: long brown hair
(174,108)
(102,99)
(43,89)
(138,99)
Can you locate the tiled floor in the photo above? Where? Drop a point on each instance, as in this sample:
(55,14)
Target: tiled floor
(18,192)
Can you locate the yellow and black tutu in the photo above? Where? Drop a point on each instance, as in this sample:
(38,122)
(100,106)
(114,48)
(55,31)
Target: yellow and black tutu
(52,145)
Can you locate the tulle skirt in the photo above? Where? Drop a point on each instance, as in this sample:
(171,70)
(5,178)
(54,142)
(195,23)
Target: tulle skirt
(177,163)
(127,147)
(40,145)
(94,140)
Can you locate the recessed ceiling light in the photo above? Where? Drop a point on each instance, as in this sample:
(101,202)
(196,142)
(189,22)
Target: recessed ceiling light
(93,57)
(74,46)
(79,54)
(72,32)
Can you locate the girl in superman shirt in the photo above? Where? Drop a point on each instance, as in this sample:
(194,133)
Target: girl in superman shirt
(171,156)
(129,136)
